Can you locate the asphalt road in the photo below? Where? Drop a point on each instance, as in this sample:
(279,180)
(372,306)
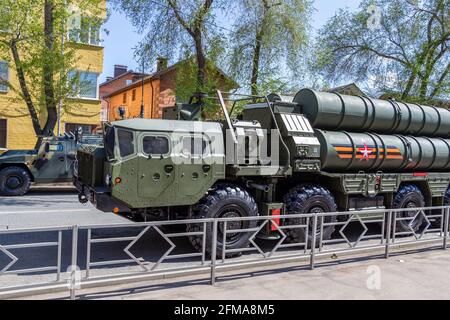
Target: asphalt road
(50,207)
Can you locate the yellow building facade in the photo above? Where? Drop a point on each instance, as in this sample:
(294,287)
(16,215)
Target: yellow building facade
(16,129)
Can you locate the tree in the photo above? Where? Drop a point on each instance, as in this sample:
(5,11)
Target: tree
(398,45)
(268,34)
(175,26)
(32,44)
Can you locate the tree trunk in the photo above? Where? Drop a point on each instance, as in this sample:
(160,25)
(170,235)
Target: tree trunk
(25,92)
(201,61)
(440,82)
(255,68)
(48,70)
(257,52)
(409,85)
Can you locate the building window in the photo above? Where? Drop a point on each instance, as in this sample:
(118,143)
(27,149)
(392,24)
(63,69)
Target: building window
(128,82)
(3,133)
(124,98)
(84,84)
(4,76)
(85,128)
(133,95)
(84,29)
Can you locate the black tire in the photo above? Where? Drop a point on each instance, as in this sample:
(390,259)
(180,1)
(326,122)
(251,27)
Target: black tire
(224,201)
(409,196)
(14,182)
(309,199)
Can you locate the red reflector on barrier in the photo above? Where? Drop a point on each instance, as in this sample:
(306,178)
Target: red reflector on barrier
(420,174)
(276,221)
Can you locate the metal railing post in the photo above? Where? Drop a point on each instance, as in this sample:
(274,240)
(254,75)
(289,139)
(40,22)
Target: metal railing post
(313,242)
(74,263)
(214,253)
(58,271)
(446,226)
(388,234)
(88,253)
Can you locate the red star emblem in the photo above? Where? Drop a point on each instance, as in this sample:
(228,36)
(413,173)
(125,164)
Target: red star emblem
(366,152)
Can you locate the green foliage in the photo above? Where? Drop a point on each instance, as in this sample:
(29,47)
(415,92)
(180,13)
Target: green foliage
(395,45)
(268,35)
(178,30)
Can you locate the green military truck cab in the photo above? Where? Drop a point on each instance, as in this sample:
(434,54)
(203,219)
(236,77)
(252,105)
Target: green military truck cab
(52,162)
(154,162)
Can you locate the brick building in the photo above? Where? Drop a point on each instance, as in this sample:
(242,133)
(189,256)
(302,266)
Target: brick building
(122,78)
(154,93)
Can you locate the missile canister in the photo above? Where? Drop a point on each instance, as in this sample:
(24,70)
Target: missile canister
(353,152)
(333,111)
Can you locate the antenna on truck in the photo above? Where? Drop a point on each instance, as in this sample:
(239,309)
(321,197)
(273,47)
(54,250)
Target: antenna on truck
(227,116)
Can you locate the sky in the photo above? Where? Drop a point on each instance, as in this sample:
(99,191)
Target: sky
(122,37)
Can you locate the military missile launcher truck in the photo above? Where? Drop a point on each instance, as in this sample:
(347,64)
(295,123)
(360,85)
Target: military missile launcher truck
(328,152)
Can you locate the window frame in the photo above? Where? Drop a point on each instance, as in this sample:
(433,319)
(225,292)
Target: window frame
(7,77)
(160,135)
(97,89)
(74,35)
(118,152)
(78,125)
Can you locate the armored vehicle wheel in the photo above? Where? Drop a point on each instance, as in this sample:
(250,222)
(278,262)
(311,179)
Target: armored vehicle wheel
(309,199)
(225,201)
(409,196)
(14,181)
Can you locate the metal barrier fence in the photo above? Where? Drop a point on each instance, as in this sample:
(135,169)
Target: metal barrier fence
(143,250)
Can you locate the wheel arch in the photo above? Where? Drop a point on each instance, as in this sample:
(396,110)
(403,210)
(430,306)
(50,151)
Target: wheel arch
(20,165)
(423,187)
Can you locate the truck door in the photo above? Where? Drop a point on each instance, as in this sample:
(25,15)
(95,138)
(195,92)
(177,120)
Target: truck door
(156,169)
(195,171)
(52,163)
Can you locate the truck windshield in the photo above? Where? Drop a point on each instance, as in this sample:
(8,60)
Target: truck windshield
(109,142)
(126,143)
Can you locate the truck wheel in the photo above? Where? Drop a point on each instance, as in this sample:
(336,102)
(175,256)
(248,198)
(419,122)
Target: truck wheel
(309,199)
(224,201)
(14,181)
(409,196)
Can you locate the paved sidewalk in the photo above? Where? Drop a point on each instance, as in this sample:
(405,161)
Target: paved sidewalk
(422,275)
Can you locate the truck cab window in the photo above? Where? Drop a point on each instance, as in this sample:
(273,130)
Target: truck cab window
(126,143)
(109,142)
(156,145)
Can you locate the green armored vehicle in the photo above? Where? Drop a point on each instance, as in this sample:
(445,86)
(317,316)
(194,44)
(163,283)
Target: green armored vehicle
(315,152)
(52,162)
